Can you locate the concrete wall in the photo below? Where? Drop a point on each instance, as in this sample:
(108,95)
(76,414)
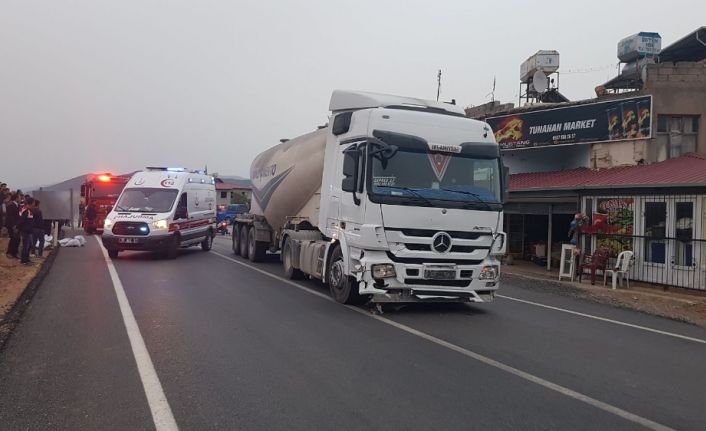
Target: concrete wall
(545,159)
(488,109)
(608,155)
(678,89)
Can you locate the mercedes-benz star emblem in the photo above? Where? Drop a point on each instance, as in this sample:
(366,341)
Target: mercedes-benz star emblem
(441,242)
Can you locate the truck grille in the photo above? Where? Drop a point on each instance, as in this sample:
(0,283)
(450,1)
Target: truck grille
(445,283)
(454,249)
(428,233)
(131,228)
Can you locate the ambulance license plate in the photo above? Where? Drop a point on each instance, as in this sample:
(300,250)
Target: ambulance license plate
(129,240)
(440,274)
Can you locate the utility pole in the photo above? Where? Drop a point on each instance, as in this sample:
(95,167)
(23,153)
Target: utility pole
(438,85)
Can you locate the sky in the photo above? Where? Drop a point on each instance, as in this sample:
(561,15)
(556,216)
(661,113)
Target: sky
(114,86)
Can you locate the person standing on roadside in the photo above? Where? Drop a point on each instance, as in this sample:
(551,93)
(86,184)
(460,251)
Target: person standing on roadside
(26,225)
(3,197)
(12,217)
(91,217)
(38,230)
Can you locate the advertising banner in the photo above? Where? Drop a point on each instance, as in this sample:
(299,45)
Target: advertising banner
(593,122)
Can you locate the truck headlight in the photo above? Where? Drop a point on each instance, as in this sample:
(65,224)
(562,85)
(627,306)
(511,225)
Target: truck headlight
(383,270)
(160,224)
(107,224)
(489,272)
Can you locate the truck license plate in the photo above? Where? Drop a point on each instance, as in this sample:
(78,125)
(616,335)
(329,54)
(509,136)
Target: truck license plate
(440,274)
(128,240)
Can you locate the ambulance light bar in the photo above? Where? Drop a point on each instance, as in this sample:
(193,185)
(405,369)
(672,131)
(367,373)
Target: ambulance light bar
(162,168)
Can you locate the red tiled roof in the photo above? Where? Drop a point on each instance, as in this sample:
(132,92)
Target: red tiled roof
(687,170)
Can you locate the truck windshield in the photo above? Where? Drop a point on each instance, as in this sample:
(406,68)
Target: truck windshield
(106,190)
(414,176)
(146,200)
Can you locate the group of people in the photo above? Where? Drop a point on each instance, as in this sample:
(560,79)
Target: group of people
(22,218)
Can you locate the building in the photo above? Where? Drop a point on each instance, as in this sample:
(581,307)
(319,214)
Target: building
(631,154)
(233,190)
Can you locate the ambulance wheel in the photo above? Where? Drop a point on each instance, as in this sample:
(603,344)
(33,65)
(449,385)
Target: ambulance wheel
(113,253)
(207,242)
(236,239)
(290,271)
(244,241)
(344,289)
(173,247)
(256,249)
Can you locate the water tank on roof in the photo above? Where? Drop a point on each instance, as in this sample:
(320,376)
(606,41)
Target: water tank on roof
(543,61)
(643,44)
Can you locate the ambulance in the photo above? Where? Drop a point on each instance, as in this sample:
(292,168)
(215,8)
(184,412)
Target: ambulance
(162,209)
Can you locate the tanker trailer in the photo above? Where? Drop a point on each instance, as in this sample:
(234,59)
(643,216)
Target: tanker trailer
(395,200)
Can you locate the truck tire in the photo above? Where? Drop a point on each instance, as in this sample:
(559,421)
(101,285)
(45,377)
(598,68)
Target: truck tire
(290,271)
(207,242)
(244,240)
(256,249)
(236,239)
(113,253)
(173,247)
(344,289)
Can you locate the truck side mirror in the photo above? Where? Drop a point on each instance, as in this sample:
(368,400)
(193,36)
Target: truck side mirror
(506,183)
(83,190)
(351,160)
(350,169)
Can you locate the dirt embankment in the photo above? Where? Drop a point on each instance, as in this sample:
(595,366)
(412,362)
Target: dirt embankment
(14,277)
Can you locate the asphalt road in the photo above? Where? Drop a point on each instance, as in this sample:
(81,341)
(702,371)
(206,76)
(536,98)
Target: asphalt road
(236,347)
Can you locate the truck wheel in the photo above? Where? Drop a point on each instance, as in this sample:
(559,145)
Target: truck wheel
(244,241)
(290,271)
(207,242)
(256,249)
(236,239)
(113,253)
(344,289)
(173,247)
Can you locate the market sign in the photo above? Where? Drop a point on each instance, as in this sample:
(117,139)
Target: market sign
(594,122)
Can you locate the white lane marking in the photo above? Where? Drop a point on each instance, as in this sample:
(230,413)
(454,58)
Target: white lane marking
(604,319)
(159,406)
(478,357)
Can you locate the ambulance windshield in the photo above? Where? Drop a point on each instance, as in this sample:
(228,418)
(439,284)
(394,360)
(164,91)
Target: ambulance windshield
(146,200)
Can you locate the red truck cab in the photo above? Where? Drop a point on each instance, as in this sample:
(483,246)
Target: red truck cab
(100,191)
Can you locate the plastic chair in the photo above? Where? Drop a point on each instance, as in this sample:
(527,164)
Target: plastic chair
(621,270)
(595,262)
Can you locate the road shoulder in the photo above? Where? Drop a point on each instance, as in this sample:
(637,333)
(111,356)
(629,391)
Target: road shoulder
(19,289)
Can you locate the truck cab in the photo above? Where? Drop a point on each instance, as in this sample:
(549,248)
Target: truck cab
(415,199)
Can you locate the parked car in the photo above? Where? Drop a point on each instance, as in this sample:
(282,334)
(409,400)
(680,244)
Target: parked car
(227,213)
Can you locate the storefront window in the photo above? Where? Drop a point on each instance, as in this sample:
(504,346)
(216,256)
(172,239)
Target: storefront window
(655,229)
(684,255)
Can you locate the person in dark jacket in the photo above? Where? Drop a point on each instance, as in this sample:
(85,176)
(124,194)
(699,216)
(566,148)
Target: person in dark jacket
(91,217)
(38,230)
(12,217)
(26,225)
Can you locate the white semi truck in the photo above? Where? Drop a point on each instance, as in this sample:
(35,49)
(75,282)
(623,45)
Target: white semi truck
(395,200)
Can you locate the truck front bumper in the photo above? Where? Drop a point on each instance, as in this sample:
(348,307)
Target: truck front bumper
(427,281)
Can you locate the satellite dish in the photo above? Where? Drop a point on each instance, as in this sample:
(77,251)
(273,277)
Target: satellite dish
(539,81)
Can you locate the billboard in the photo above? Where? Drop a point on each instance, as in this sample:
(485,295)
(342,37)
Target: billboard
(593,122)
